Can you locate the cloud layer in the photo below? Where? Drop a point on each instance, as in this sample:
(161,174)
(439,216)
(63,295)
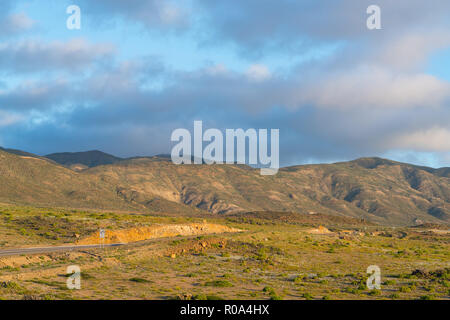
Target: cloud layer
(367,93)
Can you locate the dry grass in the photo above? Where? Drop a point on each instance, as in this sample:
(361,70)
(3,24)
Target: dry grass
(272,260)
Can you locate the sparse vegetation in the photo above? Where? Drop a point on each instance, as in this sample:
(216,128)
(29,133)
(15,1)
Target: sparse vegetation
(139,280)
(218,283)
(261,263)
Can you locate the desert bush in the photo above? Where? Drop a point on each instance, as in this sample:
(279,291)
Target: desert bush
(139,280)
(374,292)
(268,290)
(218,283)
(405,289)
(307,296)
(206,297)
(298,279)
(274,296)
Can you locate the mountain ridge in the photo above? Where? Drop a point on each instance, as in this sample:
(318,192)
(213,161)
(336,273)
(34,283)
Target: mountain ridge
(71,158)
(90,158)
(374,189)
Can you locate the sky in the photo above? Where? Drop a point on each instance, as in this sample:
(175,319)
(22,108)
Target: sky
(138,69)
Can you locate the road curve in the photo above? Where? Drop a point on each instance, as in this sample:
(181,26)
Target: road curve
(20,251)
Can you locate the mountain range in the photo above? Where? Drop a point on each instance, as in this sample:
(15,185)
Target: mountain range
(372,189)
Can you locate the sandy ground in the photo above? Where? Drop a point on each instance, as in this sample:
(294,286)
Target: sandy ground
(157,231)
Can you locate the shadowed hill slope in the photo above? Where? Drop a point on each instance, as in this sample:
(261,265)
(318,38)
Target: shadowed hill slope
(89,158)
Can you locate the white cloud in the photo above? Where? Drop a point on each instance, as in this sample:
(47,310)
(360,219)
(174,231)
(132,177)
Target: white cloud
(411,50)
(34,55)
(375,87)
(160,14)
(258,72)
(217,69)
(7,118)
(436,139)
(170,14)
(15,23)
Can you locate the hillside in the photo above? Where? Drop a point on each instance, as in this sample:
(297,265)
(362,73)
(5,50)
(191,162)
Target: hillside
(388,193)
(34,181)
(24,154)
(373,189)
(89,158)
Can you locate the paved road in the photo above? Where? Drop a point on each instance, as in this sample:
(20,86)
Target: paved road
(20,251)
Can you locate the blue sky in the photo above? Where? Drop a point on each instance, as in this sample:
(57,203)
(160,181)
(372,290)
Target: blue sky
(136,70)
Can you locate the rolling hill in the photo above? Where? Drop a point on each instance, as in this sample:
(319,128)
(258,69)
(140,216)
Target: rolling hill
(24,154)
(35,181)
(376,190)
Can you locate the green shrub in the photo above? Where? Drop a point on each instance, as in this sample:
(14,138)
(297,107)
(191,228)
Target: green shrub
(219,283)
(139,280)
(352,290)
(405,289)
(275,297)
(307,296)
(427,297)
(206,297)
(268,289)
(374,292)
